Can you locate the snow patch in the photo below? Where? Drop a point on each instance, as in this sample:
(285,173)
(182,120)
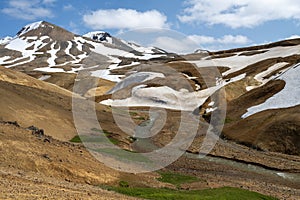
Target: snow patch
(147,50)
(239,62)
(5,40)
(49,69)
(260,77)
(53,56)
(44,77)
(164,97)
(105,74)
(3,59)
(139,77)
(211,103)
(209,110)
(287,97)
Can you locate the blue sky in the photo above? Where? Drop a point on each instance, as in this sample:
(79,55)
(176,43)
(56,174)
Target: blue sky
(211,24)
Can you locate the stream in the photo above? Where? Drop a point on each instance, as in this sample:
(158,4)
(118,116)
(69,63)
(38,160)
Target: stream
(143,144)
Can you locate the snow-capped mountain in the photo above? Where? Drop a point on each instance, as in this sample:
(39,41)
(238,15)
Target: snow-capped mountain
(260,88)
(45,47)
(100,36)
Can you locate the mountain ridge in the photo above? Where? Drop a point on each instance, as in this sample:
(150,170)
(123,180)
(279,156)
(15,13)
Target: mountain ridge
(142,77)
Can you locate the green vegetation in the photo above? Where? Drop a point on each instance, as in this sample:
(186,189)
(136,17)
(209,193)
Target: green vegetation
(225,193)
(96,138)
(113,140)
(133,113)
(123,184)
(107,133)
(85,138)
(124,155)
(176,179)
(76,139)
(228,120)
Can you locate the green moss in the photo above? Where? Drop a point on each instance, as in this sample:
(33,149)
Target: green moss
(123,184)
(76,139)
(176,179)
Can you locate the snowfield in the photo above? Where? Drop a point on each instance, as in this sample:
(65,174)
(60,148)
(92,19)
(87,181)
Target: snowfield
(288,97)
(239,62)
(165,97)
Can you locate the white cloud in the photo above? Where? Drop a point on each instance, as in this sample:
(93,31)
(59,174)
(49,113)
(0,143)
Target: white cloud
(125,19)
(49,1)
(189,44)
(68,7)
(242,13)
(29,9)
(224,42)
(176,45)
(227,39)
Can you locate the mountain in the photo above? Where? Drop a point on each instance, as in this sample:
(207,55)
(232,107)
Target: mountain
(260,82)
(259,85)
(45,69)
(45,47)
(257,79)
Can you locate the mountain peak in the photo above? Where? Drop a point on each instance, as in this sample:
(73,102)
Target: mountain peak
(43,28)
(100,36)
(29,27)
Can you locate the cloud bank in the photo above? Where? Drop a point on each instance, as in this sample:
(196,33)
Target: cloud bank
(237,14)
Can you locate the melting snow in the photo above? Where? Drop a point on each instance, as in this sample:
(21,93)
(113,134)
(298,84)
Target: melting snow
(211,103)
(164,97)
(139,77)
(53,56)
(49,69)
(4,58)
(67,50)
(289,96)
(5,40)
(209,110)
(238,62)
(21,45)
(105,74)
(260,76)
(45,77)
(147,50)
(17,44)
(79,41)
